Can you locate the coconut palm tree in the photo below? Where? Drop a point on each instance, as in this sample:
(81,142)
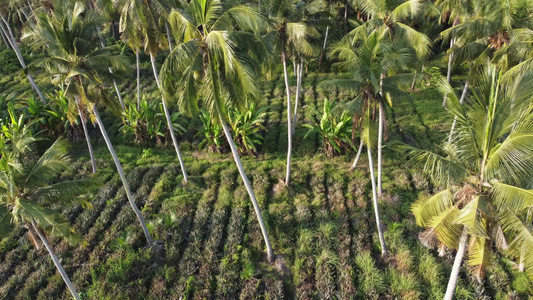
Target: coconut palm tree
(389,16)
(69,34)
(482,174)
(131,28)
(145,18)
(26,193)
(215,63)
(486,32)
(367,56)
(8,35)
(292,33)
(453,12)
(110,9)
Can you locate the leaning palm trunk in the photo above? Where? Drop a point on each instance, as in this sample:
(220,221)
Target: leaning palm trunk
(168,36)
(376,207)
(58,265)
(456,267)
(169,122)
(137,62)
(6,29)
(356,160)
(289,121)
(118,165)
(270,253)
(117,90)
(86,132)
(300,68)
(463,96)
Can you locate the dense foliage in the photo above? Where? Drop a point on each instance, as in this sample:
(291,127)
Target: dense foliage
(433,99)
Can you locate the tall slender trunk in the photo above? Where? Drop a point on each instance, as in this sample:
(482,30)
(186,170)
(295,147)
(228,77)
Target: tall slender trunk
(456,267)
(117,90)
(356,160)
(169,122)
(300,68)
(323,46)
(138,79)
(58,265)
(384,251)
(463,96)
(294,68)
(168,36)
(6,28)
(450,62)
(380,136)
(86,132)
(289,122)
(118,165)
(345,11)
(259,6)
(270,252)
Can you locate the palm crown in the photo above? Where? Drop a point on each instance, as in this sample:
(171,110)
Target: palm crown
(484,168)
(211,59)
(69,34)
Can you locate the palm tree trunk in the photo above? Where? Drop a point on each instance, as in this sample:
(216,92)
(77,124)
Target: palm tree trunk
(58,265)
(168,36)
(86,132)
(110,69)
(463,96)
(324,45)
(138,79)
(117,91)
(169,122)
(289,121)
(357,156)
(375,200)
(380,136)
(456,267)
(6,28)
(300,68)
(345,12)
(270,253)
(449,72)
(118,165)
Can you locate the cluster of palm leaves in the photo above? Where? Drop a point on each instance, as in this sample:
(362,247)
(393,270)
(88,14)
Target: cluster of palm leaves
(217,52)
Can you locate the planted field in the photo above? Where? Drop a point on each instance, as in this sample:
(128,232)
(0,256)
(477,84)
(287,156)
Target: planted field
(322,227)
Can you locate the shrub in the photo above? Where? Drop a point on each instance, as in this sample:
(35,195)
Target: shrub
(148,124)
(247,126)
(521,284)
(212,131)
(335,130)
(8,61)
